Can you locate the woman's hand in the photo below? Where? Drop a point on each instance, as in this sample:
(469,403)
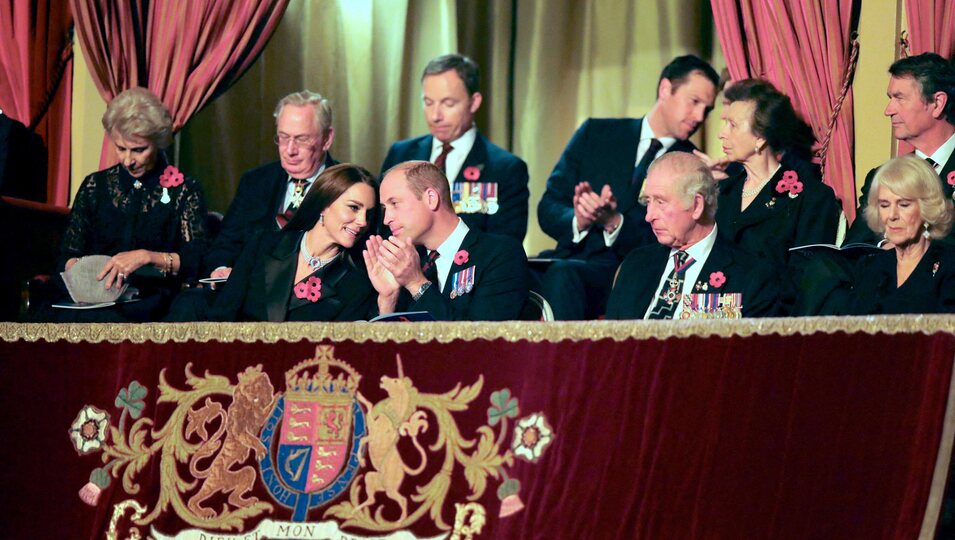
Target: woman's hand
(121,265)
(381,278)
(716,166)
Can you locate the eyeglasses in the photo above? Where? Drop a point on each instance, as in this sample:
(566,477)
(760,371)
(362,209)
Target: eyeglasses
(298,141)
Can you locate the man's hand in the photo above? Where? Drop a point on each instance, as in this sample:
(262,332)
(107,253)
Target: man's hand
(584,218)
(608,217)
(401,259)
(120,266)
(716,166)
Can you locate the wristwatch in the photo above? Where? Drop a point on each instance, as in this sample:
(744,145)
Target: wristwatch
(424,286)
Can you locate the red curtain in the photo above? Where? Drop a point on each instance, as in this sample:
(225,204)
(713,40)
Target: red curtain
(187,53)
(804,49)
(814,435)
(931,26)
(35,62)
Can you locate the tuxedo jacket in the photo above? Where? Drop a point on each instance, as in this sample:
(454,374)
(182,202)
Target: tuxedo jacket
(493,165)
(929,289)
(260,286)
(497,291)
(639,276)
(258,199)
(602,151)
(860,231)
(775,221)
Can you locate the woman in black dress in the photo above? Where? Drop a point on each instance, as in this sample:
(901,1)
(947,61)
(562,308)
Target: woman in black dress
(916,271)
(777,201)
(142,212)
(304,272)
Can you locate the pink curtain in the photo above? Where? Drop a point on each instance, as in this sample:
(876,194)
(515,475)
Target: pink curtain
(804,49)
(931,26)
(187,53)
(36,80)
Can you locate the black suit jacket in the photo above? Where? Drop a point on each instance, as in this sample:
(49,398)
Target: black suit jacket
(929,289)
(495,165)
(500,283)
(860,231)
(640,274)
(602,151)
(257,200)
(260,285)
(774,221)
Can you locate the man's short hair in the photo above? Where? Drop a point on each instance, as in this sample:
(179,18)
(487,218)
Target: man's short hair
(680,68)
(933,74)
(695,178)
(323,109)
(422,175)
(466,69)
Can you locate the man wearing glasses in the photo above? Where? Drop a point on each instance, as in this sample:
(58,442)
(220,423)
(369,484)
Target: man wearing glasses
(269,195)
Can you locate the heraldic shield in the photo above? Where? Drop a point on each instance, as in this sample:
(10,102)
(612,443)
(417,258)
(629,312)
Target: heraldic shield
(320,423)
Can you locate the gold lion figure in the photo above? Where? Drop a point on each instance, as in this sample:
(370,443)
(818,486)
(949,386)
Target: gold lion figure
(252,401)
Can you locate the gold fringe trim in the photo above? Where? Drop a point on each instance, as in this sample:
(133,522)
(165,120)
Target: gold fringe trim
(446,332)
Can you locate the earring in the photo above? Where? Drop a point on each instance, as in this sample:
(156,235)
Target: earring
(757,148)
(925,234)
(321,218)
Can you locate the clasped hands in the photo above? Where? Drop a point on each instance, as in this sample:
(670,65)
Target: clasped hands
(591,208)
(392,263)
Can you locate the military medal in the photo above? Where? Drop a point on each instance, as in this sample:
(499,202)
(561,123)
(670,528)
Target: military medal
(298,195)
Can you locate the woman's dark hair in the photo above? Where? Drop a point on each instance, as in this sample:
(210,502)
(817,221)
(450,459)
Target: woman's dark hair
(774,118)
(329,186)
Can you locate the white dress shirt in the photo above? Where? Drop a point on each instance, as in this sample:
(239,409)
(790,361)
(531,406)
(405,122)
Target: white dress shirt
(698,252)
(461,147)
(290,188)
(446,252)
(940,156)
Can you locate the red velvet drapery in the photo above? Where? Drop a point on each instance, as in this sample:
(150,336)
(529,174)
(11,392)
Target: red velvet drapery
(35,61)
(931,26)
(803,48)
(187,53)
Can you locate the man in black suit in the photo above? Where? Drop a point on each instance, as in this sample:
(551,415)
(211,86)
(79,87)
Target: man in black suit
(590,205)
(489,191)
(691,272)
(268,195)
(468,275)
(922,108)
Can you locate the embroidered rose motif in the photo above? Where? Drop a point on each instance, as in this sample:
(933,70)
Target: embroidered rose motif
(472,173)
(461,257)
(950,178)
(171,177)
(88,431)
(717,279)
(310,289)
(531,436)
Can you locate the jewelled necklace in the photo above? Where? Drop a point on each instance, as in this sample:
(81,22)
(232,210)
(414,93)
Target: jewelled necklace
(314,262)
(755,191)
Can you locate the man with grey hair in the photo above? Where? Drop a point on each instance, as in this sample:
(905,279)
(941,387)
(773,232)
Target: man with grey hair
(268,195)
(691,272)
(488,184)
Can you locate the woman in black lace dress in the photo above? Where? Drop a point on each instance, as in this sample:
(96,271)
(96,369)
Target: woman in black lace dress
(304,272)
(142,212)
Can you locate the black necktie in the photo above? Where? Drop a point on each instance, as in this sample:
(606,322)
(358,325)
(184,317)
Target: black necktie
(429,268)
(640,171)
(672,291)
(932,164)
(443,156)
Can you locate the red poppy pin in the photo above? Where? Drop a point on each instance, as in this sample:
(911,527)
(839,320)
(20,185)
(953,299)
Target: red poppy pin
(171,177)
(310,289)
(461,257)
(717,279)
(790,183)
(950,178)
(472,173)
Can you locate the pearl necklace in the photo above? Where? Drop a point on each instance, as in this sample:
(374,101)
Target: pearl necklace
(755,191)
(314,262)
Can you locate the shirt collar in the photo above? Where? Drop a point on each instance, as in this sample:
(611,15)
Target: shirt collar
(700,250)
(453,242)
(311,179)
(464,142)
(942,154)
(646,133)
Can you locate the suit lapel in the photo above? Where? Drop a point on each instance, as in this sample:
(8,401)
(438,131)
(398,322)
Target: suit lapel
(948,169)
(720,259)
(470,240)
(623,165)
(422,151)
(279,274)
(767,204)
(331,300)
(477,157)
(279,185)
(647,288)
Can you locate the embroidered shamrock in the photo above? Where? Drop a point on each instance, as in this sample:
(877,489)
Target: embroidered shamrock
(472,173)
(461,257)
(790,183)
(717,279)
(171,177)
(310,289)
